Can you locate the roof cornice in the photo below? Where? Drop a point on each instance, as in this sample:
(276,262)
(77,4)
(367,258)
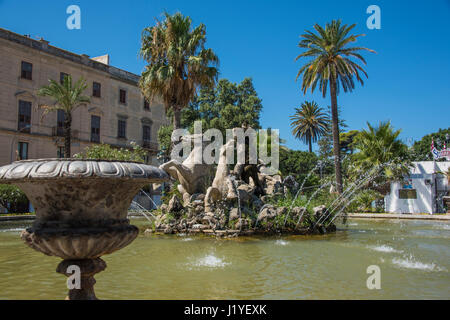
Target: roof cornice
(42,45)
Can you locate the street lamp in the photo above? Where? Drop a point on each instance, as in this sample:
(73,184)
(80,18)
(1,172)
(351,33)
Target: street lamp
(320,164)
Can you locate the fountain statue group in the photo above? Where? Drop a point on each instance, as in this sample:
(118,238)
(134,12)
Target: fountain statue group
(82,205)
(194,176)
(224,201)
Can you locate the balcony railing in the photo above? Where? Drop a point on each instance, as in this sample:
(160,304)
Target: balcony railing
(24,127)
(95,138)
(58,131)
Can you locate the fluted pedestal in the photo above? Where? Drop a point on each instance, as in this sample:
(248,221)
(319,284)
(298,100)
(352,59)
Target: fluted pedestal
(88,268)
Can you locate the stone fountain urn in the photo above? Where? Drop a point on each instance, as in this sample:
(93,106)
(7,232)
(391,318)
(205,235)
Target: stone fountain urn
(81,210)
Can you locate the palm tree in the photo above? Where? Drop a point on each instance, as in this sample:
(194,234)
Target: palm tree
(330,65)
(380,147)
(67,97)
(309,123)
(178,63)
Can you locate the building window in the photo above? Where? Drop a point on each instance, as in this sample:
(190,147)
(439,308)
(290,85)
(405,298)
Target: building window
(96,89)
(62,75)
(61,116)
(146,104)
(146,130)
(95,129)
(122,129)
(60,153)
(122,96)
(24,116)
(22,149)
(27,70)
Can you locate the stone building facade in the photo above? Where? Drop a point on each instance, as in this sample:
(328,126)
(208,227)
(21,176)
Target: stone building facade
(116,115)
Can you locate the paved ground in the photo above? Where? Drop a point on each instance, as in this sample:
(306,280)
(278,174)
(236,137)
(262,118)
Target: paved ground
(400,216)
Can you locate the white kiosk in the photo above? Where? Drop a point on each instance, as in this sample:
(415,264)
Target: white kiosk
(422,191)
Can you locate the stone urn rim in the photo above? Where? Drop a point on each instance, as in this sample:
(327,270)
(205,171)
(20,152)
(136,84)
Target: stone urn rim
(73,168)
(77,159)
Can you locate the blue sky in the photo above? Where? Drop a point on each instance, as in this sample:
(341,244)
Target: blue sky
(409,77)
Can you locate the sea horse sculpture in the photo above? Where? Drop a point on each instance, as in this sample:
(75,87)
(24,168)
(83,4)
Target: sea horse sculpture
(192,175)
(221,185)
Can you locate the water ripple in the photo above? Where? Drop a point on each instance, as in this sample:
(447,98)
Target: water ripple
(281,242)
(411,263)
(384,248)
(12,230)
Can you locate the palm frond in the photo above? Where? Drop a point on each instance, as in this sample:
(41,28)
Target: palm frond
(331,58)
(309,122)
(66,96)
(178,64)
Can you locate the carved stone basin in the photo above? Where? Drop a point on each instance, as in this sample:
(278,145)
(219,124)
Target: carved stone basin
(81,209)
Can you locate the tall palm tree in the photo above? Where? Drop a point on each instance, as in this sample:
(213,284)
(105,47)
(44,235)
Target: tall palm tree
(67,97)
(178,63)
(309,123)
(380,147)
(330,65)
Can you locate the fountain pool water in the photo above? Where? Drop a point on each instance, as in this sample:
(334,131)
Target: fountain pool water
(414,258)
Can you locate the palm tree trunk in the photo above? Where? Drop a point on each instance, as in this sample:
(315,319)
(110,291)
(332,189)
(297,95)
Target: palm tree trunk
(176,124)
(67,134)
(336,144)
(310,144)
(176,118)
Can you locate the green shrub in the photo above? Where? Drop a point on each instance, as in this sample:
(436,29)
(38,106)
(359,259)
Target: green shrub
(168,194)
(106,152)
(362,201)
(164,139)
(12,198)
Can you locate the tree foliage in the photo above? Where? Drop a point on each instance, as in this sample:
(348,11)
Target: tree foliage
(330,64)
(325,143)
(331,58)
(362,201)
(164,139)
(380,148)
(68,97)
(226,106)
(347,141)
(178,63)
(421,150)
(299,164)
(11,197)
(309,123)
